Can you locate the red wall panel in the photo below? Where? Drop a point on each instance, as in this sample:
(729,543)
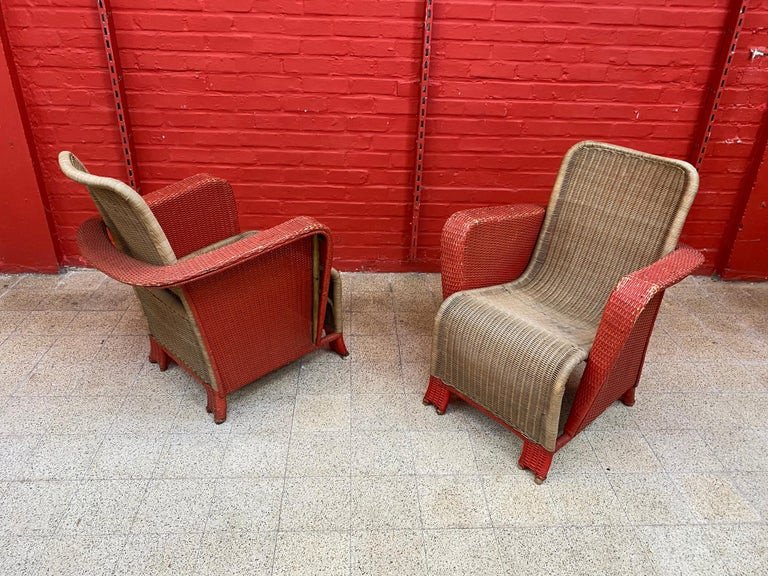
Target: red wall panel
(309,107)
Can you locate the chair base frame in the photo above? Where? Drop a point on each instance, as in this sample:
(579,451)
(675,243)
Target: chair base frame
(534,456)
(216,402)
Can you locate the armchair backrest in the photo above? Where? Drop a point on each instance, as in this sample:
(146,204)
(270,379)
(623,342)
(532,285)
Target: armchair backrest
(613,210)
(133,227)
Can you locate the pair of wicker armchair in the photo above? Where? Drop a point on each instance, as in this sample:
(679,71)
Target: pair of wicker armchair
(547,314)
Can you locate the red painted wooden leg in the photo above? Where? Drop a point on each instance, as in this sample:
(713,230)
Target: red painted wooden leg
(537,459)
(437,394)
(210,393)
(629,397)
(219,407)
(339,347)
(157,355)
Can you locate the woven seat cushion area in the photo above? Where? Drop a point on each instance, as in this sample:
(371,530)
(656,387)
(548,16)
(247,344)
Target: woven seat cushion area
(498,344)
(511,348)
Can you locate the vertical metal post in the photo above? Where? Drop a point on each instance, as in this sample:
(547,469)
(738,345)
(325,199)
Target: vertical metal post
(118,91)
(421,128)
(708,123)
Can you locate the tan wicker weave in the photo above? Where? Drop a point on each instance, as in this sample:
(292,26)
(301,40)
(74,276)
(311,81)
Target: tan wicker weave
(511,347)
(226,306)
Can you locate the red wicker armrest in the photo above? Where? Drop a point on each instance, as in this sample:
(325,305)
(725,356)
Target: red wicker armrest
(96,248)
(487,246)
(195,212)
(617,354)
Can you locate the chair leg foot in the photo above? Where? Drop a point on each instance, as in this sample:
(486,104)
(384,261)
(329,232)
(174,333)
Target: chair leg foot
(218,405)
(537,459)
(339,347)
(628,399)
(437,394)
(158,355)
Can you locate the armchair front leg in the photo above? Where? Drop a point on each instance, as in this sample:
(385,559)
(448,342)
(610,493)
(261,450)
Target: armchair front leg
(487,246)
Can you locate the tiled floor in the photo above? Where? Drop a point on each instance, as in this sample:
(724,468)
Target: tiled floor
(334,466)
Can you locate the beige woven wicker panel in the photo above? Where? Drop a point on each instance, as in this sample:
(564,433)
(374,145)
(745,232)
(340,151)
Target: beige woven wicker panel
(511,348)
(172,326)
(615,211)
(497,347)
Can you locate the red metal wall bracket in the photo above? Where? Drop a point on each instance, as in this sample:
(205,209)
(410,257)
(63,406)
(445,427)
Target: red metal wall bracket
(421,128)
(118,91)
(735,26)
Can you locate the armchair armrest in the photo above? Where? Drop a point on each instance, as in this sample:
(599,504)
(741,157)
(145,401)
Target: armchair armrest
(96,248)
(486,246)
(617,355)
(195,212)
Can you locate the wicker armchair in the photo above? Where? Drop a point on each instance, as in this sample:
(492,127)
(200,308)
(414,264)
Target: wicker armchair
(534,298)
(227,306)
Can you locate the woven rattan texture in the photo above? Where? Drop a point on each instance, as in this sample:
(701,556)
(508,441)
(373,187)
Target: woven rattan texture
(245,340)
(487,246)
(131,223)
(511,348)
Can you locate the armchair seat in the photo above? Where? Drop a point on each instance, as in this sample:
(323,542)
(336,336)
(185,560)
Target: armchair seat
(227,306)
(517,353)
(548,314)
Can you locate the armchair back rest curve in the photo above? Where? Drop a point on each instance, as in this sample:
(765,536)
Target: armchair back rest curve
(133,227)
(612,211)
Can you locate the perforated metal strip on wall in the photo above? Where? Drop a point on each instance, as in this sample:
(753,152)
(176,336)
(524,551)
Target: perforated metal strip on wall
(715,103)
(118,91)
(421,129)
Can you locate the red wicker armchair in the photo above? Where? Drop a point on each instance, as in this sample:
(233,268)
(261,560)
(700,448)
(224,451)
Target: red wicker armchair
(227,306)
(534,297)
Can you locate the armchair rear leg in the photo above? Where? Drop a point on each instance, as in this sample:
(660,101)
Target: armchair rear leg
(338,346)
(537,459)
(218,405)
(158,355)
(437,394)
(628,399)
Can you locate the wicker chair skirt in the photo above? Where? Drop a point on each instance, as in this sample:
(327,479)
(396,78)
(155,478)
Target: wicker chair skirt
(510,355)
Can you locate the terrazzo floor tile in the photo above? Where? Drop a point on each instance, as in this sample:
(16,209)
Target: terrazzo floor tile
(319,454)
(537,551)
(453,502)
(322,412)
(333,466)
(516,500)
(103,507)
(317,553)
(177,506)
(384,503)
(683,451)
(714,498)
(77,555)
(167,555)
(741,548)
(236,553)
(623,452)
(586,499)
(250,506)
(681,550)
(126,456)
(651,499)
(443,453)
(261,454)
(314,504)
(35,508)
(191,456)
(472,552)
(609,550)
(382,453)
(385,553)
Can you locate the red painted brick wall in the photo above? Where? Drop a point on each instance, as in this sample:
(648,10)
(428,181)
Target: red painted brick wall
(309,107)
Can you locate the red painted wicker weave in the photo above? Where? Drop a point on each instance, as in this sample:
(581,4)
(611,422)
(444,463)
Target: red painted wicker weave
(492,246)
(241,305)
